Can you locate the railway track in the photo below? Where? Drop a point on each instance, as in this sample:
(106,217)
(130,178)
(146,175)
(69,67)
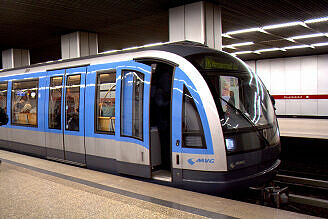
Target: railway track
(292,193)
(305,195)
(306,191)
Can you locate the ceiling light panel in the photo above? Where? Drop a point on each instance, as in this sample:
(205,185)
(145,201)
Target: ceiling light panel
(307,36)
(237,44)
(267,50)
(244,31)
(296,47)
(226,36)
(316,20)
(320,44)
(241,52)
(289,24)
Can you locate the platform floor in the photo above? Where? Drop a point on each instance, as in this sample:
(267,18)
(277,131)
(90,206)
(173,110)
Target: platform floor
(36,188)
(304,128)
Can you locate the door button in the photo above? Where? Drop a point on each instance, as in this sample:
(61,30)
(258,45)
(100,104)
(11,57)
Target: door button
(178,143)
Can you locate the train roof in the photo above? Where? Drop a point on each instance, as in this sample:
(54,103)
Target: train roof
(182,48)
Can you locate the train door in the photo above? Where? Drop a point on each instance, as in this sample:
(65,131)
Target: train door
(65,114)
(133,85)
(188,139)
(176,134)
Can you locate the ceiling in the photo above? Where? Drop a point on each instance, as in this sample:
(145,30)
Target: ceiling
(120,24)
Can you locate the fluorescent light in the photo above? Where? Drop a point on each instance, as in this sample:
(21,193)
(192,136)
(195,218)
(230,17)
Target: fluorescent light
(297,47)
(320,44)
(267,50)
(291,40)
(226,36)
(289,24)
(316,20)
(109,51)
(244,31)
(231,46)
(131,48)
(307,36)
(242,52)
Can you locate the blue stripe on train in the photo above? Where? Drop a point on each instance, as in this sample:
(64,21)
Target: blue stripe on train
(90,103)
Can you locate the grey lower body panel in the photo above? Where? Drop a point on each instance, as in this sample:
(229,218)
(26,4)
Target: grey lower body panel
(93,162)
(65,155)
(110,165)
(202,181)
(4,144)
(230,181)
(23,148)
(133,169)
(101,163)
(55,153)
(75,157)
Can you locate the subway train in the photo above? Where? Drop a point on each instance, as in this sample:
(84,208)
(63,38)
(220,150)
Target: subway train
(178,113)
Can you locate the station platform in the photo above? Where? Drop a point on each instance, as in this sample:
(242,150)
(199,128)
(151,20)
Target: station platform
(37,188)
(303,128)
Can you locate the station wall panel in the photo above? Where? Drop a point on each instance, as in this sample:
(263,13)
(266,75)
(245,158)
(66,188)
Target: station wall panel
(278,79)
(309,75)
(264,71)
(323,74)
(293,107)
(296,77)
(293,75)
(322,107)
(281,107)
(309,107)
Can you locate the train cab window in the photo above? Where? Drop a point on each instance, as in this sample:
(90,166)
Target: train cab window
(3,96)
(229,91)
(192,129)
(24,102)
(55,96)
(105,102)
(132,104)
(72,102)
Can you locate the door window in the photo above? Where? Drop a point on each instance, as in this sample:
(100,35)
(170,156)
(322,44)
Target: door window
(55,96)
(105,102)
(72,102)
(132,104)
(192,129)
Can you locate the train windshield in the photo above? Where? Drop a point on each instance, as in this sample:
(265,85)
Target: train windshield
(244,105)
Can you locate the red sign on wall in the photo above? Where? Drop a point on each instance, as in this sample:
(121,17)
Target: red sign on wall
(310,97)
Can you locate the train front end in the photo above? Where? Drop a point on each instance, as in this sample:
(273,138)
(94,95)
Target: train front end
(247,116)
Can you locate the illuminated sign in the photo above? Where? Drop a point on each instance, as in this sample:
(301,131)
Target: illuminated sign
(211,63)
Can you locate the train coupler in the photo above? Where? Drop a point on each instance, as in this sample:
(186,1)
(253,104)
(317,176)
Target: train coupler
(272,195)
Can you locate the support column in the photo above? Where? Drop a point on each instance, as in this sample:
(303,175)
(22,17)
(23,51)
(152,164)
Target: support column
(79,44)
(198,22)
(13,58)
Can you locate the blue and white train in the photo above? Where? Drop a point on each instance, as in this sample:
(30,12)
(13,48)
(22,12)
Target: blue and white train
(182,113)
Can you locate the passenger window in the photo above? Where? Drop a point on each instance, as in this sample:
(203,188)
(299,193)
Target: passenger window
(132,104)
(24,102)
(105,102)
(3,96)
(72,102)
(192,129)
(55,96)
(229,91)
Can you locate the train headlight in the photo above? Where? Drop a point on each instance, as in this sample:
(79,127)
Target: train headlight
(230,144)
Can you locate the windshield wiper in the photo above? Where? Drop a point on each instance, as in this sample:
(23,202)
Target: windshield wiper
(247,119)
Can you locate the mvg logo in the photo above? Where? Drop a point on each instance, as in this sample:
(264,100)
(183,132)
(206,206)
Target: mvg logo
(192,161)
